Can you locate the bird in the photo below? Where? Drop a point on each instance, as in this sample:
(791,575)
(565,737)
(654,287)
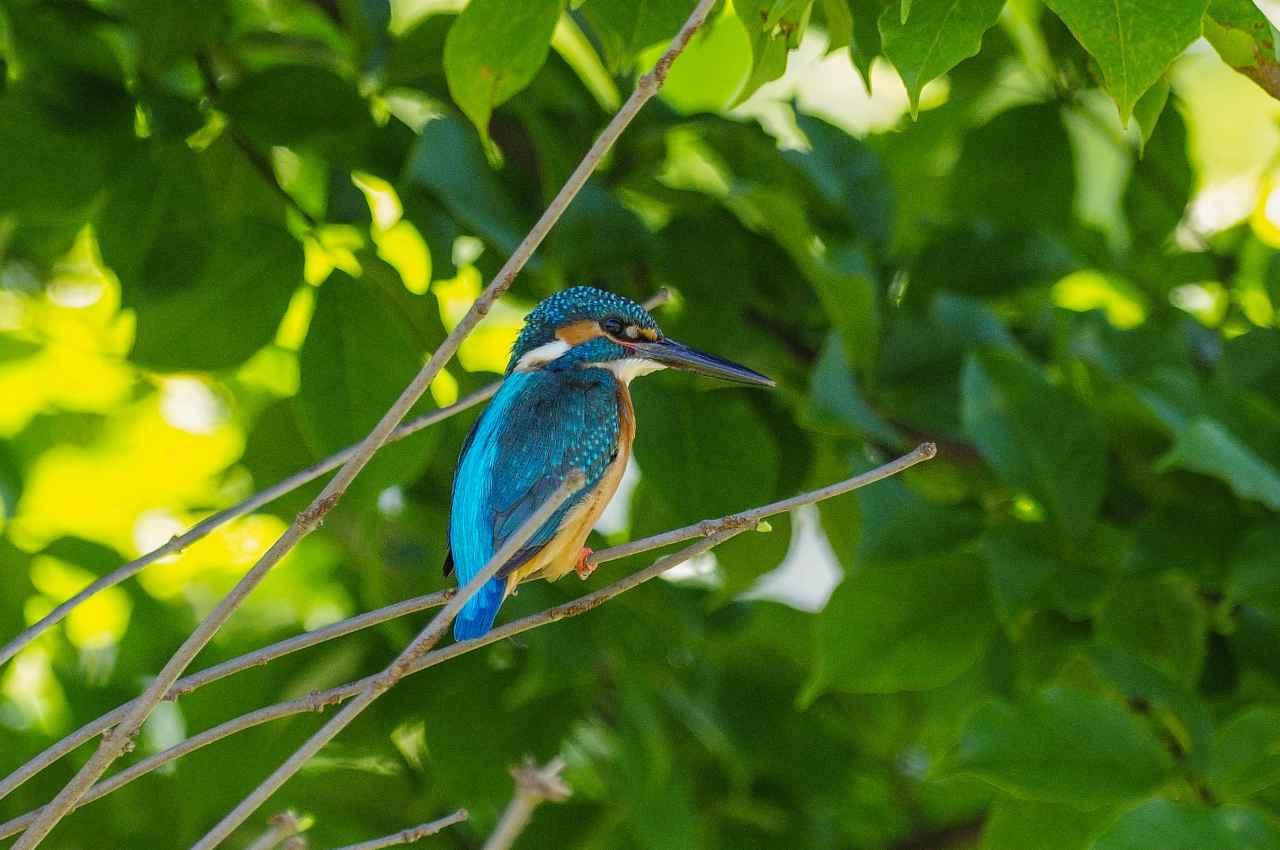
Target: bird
(564,405)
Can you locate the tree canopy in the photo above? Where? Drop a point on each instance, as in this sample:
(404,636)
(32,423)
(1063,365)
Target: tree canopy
(1044,236)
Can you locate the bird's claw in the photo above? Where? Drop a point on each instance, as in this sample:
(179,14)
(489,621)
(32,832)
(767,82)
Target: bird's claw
(585,566)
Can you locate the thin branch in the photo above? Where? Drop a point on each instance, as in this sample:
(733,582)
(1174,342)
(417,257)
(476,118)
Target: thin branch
(117,740)
(283,826)
(397,669)
(408,836)
(209,524)
(719,530)
(534,786)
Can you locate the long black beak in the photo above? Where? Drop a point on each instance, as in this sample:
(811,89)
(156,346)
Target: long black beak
(668,352)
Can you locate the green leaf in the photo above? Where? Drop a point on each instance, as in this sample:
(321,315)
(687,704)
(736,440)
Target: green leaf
(1207,447)
(1014,824)
(625,27)
(1148,110)
(155,230)
(839,23)
(1160,619)
(1172,825)
(1021,569)
(493,50)
(171,32)
(938,35)
(1038,437)
(906,626)
(1245,40)
(1246,755)
(448,162)
(774,28)
(231,310)
(835,404)
(358,357)
(1134,41)
(898,524)
(1254,577)
(849,177)
(865,44)
(1031,182)
(1161,183)
(708,453)
(1175,706)
(1061,746)
(302,106)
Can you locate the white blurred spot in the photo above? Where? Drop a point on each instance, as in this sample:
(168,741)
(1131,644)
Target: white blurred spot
(75,294)
(391,502)
(808,574)
(189,405)
(155,528)
(1191,297)
(466,250)
(703,571)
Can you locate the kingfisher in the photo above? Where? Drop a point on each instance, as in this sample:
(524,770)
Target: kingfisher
(564,404)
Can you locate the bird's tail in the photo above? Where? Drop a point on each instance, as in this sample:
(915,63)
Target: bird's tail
(477,616)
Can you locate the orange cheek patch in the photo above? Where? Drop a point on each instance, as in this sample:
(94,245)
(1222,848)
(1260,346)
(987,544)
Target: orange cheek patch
(649,334)
(580,332)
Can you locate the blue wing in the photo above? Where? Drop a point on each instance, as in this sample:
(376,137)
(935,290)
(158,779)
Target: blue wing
(540,426)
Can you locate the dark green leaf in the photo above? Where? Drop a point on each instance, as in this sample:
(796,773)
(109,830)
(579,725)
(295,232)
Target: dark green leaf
(156,228)
(906,626)
(493,51)
(1149,109)
(937,36)
(1132,53)
(170,33)
(1062,746)
(849,176)
(1038,437)
(359,356)
(1161,619)
(1021,568)
(838,18)
(1172,825)
(231,310)
(1160,186)
(1032,182)
(449,163)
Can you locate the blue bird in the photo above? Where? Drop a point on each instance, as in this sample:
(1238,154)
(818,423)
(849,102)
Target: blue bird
(563,405)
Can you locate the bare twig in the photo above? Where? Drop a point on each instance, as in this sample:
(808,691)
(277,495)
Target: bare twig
(719,530)
(283,826)
(117,740)
(207,525)
(408,836)
(397,669)
(534,786)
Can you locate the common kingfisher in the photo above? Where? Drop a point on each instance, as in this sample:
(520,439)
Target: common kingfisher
(563,405)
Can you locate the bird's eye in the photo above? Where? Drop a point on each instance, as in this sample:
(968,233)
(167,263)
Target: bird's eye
(613,327)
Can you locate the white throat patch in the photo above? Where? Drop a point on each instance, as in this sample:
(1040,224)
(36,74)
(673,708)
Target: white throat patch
(542,355)
(631,367)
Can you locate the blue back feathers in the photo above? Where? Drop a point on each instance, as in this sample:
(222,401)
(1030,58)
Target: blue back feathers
(540,426)
(572,305)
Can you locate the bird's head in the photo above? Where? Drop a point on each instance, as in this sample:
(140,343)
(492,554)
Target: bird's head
(583,326)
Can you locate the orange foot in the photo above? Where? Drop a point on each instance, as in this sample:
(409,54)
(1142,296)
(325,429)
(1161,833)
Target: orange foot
(584,568)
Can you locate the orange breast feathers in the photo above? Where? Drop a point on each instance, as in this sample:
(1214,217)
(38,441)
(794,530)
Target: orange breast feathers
(560,555)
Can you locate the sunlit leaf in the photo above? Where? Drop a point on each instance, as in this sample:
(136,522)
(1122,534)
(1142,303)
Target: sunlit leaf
(493,51)
(1131,52)
(937,36)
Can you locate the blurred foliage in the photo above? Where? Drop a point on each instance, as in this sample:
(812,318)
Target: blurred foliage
(231,230)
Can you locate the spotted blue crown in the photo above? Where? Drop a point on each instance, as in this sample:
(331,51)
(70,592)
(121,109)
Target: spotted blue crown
(574,305)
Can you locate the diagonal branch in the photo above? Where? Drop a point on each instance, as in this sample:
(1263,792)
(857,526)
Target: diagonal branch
(283,826)
(397,669)
(713,532)
(248,506)
(534,786)
(408,836)
(114,743)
